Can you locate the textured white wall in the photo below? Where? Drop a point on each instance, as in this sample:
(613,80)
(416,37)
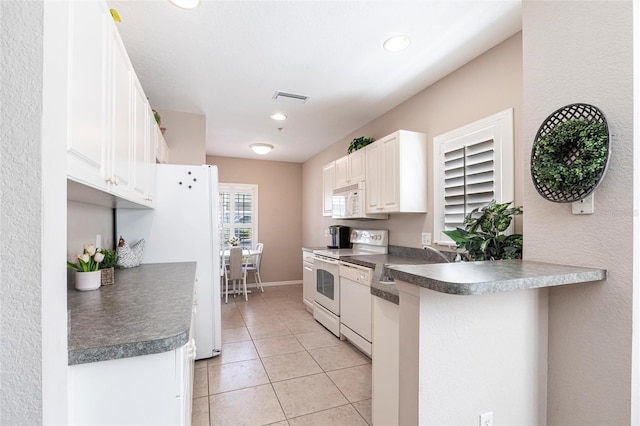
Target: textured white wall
(480,354)
(582,52)
(635,369)
(20,213)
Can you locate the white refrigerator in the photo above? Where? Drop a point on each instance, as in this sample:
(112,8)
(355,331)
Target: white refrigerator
(183,227)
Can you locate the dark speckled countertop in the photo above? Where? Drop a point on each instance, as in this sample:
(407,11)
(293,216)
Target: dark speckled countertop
(146,311)
(474,278)
(382,286)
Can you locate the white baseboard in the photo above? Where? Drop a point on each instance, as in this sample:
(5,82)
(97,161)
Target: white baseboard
(274,283)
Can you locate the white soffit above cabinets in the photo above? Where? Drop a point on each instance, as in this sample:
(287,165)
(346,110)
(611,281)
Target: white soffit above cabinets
(226,59)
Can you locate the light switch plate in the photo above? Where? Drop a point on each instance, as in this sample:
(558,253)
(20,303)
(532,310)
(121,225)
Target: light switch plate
(426,239)
(584,206)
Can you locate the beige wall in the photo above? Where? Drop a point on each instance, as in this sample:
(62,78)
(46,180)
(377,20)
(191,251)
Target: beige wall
(185,136)
(489,84)
(279,211)
(84,222)
(590,326)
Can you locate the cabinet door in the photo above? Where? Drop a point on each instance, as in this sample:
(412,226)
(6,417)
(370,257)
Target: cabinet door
(155,136)
(373,177)
(328,184)
(86,149)
(357,162)
(385,362)
(120,163)
(342,172)
(389,197)
(141,141)
(308,286)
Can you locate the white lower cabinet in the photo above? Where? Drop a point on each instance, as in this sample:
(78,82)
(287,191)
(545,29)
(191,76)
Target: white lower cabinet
(385,362)
(144,390)
(308,280)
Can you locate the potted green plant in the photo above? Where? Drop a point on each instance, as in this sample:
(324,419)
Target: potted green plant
(156,115)
(483,236)
(107,266)
(358,143)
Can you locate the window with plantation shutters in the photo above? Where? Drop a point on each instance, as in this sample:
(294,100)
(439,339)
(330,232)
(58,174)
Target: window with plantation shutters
(472,166)
(238,209)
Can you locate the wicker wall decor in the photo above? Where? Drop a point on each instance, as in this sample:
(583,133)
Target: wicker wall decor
(570,153)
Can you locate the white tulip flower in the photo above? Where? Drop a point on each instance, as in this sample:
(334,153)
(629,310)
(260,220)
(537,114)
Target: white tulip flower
(90,248)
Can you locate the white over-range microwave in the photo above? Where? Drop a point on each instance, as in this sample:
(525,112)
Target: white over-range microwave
(349,202)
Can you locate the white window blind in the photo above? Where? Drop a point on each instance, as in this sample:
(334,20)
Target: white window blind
(468,181)
(472,165)
(238,207)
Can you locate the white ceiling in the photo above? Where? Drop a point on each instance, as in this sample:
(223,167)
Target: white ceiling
(226,59)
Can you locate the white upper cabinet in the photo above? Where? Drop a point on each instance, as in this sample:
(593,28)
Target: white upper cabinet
(396,173)
(328,185)
(87,79)
(109,145)
(121,120)
(350,169)
(143,144)
(373,177)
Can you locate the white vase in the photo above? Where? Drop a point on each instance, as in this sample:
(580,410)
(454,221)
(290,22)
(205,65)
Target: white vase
(86,281)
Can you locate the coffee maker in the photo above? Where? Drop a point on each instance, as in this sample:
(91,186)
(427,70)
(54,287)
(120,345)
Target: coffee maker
(339,236)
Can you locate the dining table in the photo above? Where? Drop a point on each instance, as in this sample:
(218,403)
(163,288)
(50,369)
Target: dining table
(245,252)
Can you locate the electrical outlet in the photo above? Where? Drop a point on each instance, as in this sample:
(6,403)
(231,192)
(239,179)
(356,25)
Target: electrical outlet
(426,239)
(486,419)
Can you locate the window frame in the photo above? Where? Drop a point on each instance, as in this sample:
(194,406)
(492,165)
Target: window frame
(232,189)
(498,128)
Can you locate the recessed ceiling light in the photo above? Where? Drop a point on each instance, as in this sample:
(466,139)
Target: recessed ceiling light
(261,148)
(397,43)
(278,116)
(185,4)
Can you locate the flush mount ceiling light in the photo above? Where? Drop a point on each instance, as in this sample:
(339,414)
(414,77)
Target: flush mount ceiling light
(396,43)
(278,116)
(185,4)
(261,148)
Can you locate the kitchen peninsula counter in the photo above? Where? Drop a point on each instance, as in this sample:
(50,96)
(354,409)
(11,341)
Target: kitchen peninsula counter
(475,278)
(382,286)
(147,311)
(450,345)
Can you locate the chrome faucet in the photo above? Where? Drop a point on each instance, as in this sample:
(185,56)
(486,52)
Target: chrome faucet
(438,253)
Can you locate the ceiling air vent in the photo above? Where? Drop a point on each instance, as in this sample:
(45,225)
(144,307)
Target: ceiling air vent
(290,97)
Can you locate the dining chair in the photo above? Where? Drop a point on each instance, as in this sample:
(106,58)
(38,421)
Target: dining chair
(236,272)
(254,265)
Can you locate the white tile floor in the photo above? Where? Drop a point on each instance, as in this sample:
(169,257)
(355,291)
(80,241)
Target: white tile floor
(279,366)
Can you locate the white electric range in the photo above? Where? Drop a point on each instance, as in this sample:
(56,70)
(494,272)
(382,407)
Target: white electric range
(326,309)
